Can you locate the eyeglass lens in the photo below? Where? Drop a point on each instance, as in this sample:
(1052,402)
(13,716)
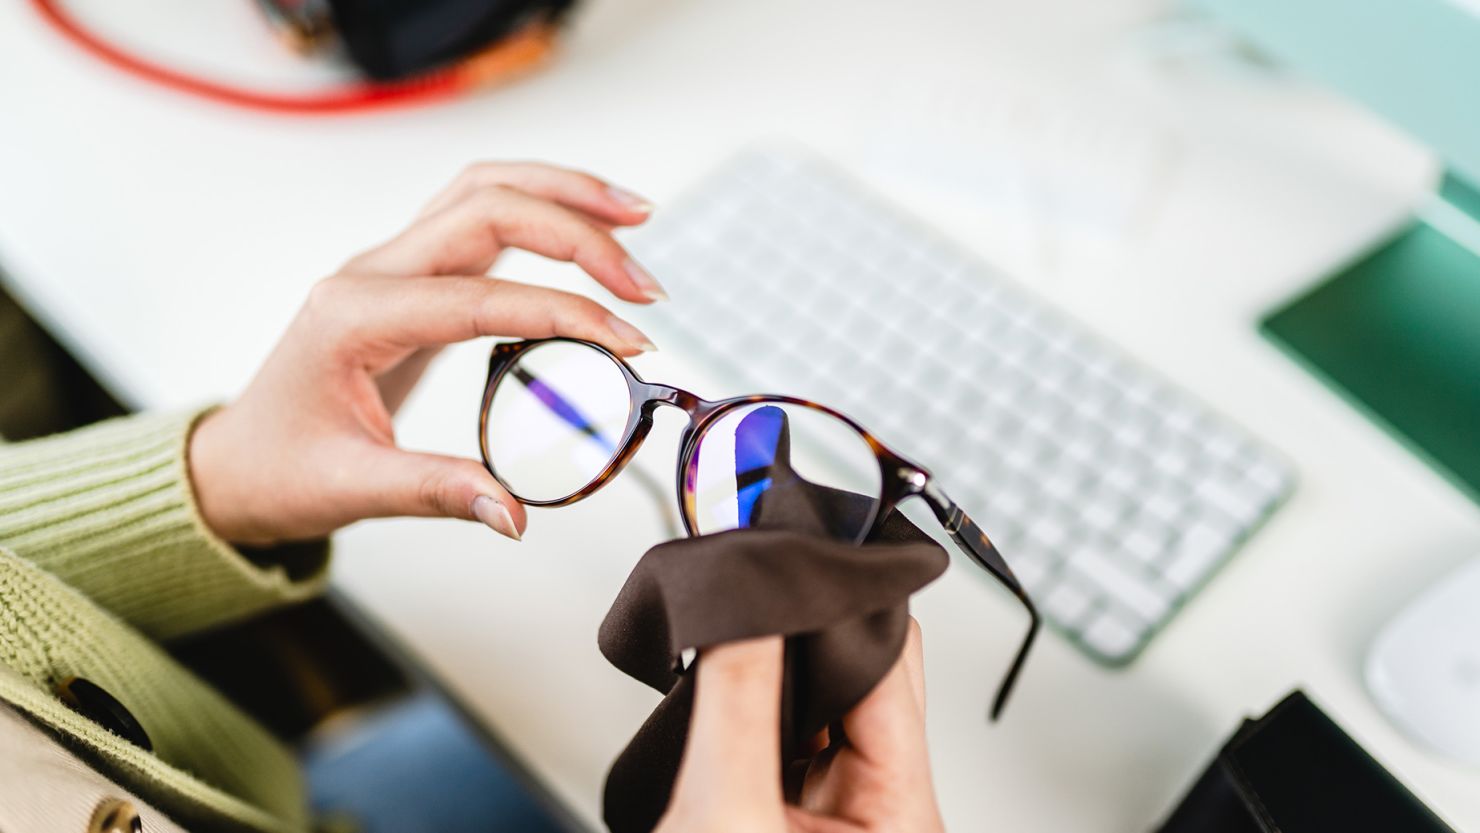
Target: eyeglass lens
(763,451)
(557,418)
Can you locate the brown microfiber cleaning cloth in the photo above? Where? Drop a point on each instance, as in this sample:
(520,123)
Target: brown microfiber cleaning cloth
(843,607)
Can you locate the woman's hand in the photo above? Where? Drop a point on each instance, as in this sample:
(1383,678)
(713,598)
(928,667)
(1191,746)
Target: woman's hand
(730,779)
(309,446)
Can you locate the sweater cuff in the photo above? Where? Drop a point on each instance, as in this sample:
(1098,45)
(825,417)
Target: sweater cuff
(110,511)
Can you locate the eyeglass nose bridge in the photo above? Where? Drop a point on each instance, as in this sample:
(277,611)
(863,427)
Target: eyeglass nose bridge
(653,395)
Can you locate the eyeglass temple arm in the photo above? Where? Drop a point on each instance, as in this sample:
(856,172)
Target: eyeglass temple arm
(970,537)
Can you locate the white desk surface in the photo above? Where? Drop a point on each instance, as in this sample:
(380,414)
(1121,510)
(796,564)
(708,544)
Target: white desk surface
(168,241)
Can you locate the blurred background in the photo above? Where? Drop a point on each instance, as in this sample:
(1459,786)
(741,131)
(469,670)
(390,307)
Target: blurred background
(1164,183)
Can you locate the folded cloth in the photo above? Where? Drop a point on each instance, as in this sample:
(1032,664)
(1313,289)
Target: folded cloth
(842,606)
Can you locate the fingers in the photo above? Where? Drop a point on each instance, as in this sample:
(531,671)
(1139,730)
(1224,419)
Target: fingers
(888,726)
(393,483)
(469,233)
(602,202)
(360,313)
(733,757)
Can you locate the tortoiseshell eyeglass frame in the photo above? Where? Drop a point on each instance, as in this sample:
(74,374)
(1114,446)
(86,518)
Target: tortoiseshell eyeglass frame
(900,478)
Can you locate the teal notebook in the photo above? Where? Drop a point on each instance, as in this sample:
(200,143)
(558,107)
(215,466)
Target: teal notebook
(1398,334)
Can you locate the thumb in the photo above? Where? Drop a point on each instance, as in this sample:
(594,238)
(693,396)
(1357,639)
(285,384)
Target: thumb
(436,485)
(732,764)
(888,725)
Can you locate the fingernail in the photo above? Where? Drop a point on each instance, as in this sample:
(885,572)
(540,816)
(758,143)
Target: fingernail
(629,199)
(646,284)
(494,515)
(631,335)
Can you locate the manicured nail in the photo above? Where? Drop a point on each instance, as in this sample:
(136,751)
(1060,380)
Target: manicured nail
(646,284)
(495,516)
(631,200)
(629,334)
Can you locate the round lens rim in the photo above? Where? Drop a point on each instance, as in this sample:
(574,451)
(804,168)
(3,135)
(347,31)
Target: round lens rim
(689,459)
(508,354)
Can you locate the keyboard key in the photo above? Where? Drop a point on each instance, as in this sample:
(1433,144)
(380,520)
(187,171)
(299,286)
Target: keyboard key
(1063,484)
(1111,636)
(1268,476)
(1146,544)
(1200,548)
(1123,478)
(1102,514)
(1032,573)
(1139,390)
(1146,600)
(1021,456)
(1165,505)
(1093,400)
(1008,502)
(1241,504)
(1048,532)
(1067,602)
(1223,447)
(1183,419)
(1133,431)
(1173,461)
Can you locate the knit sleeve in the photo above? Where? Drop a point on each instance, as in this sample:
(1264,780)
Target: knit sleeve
(109,510)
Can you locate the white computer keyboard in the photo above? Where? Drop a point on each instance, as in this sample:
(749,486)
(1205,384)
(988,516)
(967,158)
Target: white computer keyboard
(1112,494)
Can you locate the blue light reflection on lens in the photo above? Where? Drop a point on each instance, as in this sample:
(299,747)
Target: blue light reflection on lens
(757,441)
(562,408)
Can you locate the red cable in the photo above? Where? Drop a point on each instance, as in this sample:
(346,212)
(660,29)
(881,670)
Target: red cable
(363,96)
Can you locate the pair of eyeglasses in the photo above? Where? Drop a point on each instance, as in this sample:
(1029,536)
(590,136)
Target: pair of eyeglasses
(563,417)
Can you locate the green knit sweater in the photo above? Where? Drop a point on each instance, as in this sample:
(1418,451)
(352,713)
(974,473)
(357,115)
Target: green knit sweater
(102,552)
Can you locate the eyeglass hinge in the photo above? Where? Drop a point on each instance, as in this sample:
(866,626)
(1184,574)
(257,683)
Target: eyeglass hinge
(927,488)
(953,523)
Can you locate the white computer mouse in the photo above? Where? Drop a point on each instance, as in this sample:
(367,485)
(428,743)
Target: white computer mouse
(1424,668)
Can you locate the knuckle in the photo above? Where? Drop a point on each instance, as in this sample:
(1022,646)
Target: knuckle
(325,303)
(729,674)
(744,667)
(551,229)
(590,249)
(478,172)
(325,293)
(589,182)
(480,200)
(579,314)
(489,198)
(489,308)
(436,494)
(608,248)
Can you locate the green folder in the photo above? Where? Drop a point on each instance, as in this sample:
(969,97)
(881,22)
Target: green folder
(1398,334)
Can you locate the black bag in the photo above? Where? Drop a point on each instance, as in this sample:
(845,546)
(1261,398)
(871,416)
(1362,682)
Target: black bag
(1296,771)
(391,39)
